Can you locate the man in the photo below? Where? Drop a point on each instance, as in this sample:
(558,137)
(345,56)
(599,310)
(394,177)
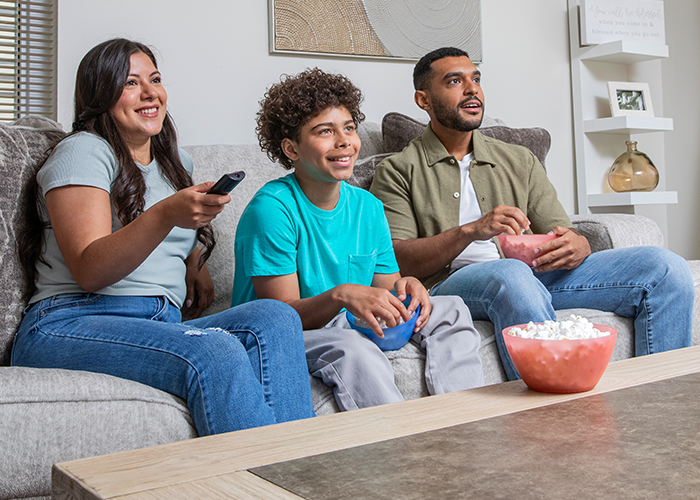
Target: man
(452,190)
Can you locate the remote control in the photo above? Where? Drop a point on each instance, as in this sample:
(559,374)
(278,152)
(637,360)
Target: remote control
(227,183)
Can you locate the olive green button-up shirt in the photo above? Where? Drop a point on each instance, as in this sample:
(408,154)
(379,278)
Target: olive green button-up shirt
(421,188)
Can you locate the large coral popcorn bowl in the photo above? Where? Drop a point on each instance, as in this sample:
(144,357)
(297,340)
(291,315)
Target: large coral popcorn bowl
(561,366)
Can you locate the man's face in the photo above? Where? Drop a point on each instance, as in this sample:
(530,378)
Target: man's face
(454,97)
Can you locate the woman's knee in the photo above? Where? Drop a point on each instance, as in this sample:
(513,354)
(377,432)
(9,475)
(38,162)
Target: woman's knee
(272,315)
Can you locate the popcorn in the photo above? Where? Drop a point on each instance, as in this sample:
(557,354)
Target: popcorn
(382,324)
(576,328)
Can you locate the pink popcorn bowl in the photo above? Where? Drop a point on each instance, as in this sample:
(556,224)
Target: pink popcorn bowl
(522,246)
(561,366)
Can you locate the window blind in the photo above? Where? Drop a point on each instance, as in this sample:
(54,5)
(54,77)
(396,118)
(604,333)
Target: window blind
(27,58)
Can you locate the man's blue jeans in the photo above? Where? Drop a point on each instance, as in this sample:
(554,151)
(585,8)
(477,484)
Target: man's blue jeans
(241,368)
(650,284)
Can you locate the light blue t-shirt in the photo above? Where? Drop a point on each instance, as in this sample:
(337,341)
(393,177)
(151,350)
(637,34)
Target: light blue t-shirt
(85,159)
(282,232)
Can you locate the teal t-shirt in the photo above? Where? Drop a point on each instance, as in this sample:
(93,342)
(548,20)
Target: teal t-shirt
(281,232)
(85,159)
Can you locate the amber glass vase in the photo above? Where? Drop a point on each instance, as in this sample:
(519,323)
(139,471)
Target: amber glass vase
(633,171)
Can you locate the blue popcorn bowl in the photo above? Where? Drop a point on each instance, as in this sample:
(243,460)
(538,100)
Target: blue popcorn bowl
(394,338)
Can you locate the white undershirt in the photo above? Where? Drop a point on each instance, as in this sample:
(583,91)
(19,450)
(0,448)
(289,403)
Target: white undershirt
(469,211)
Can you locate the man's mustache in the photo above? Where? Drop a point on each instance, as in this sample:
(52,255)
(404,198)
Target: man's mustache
(468,99)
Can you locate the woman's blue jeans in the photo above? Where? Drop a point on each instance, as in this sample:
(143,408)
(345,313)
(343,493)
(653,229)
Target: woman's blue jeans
(243,367)
(650,284)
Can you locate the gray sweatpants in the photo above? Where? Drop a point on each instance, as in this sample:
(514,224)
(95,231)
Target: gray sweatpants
(361,375)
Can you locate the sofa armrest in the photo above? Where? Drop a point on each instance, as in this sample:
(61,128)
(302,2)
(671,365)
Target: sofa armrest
(606,231)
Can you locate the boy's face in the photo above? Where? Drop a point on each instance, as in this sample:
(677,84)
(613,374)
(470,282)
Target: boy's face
(327,148)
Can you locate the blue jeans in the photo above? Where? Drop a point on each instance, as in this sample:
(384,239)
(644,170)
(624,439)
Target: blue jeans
(650,284)
(243,367)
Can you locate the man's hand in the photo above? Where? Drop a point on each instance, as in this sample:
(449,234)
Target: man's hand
(565,252)
(423,257)
(502,219)
(419,295)
(200,287)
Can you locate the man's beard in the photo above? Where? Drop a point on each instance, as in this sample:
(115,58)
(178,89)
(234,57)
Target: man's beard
(452,119)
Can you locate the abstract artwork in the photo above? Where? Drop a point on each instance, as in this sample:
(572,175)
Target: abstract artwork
(404,29)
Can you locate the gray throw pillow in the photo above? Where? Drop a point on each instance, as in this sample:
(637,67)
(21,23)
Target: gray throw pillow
(23,148)
(363,172)
(398,130)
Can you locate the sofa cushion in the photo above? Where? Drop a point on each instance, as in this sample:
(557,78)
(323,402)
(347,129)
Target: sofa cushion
(363,172)
(210,162)
(50,415)
(398,130)
(370,134)
(24,145)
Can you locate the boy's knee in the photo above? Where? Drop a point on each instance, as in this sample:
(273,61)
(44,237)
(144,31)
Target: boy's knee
(443,305)
(352,351)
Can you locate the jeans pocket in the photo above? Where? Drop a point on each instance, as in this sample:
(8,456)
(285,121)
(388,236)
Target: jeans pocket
(361,268)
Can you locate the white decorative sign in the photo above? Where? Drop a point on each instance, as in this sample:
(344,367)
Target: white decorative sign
(633,20)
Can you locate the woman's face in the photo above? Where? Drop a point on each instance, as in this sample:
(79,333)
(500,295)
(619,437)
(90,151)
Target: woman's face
(140,111)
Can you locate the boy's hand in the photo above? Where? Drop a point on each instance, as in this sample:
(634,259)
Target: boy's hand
(419,295)
(369,303)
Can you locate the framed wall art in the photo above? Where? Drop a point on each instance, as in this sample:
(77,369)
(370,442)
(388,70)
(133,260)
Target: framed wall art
(630,20)
(630,98)
(390,29)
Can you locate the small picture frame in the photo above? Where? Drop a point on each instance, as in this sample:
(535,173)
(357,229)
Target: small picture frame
(630,98)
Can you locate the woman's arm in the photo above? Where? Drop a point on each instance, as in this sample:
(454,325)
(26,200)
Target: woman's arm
(81,218)
(364,302)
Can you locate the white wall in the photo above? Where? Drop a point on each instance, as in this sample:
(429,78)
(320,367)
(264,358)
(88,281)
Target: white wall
(216,66)
(681,74)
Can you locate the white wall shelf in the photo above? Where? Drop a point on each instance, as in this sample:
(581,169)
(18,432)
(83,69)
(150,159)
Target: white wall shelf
(632,198)
(627,125)
(623,52)
(595,130)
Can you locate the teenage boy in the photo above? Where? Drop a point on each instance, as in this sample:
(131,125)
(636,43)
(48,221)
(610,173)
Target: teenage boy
(320,245)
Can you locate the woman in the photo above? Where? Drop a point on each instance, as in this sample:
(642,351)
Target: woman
(112,251)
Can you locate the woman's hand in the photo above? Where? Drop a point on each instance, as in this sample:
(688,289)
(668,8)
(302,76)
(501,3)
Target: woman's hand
(192,207)
(200,287)
(419,295)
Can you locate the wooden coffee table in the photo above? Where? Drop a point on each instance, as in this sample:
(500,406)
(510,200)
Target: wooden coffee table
(483,420)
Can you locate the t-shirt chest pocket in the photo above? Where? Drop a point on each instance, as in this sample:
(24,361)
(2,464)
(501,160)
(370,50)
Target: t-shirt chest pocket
(361,268)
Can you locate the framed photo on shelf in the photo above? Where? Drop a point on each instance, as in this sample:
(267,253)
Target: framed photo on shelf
(630,98)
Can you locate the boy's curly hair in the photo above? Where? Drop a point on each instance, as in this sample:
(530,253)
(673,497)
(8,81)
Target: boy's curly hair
(289,105)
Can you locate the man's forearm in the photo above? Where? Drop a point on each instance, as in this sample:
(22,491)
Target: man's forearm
(423,257)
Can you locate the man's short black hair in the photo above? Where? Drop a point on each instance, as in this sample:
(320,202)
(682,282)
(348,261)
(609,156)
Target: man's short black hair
(423,70)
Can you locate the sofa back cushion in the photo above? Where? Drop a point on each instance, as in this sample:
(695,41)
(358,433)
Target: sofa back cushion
(398,130)
(210,162)
(24,145)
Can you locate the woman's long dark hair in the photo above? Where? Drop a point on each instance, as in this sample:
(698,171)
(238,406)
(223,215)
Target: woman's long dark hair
(101,77)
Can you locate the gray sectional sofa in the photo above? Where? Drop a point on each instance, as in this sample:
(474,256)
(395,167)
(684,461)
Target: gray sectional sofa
(49,416)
